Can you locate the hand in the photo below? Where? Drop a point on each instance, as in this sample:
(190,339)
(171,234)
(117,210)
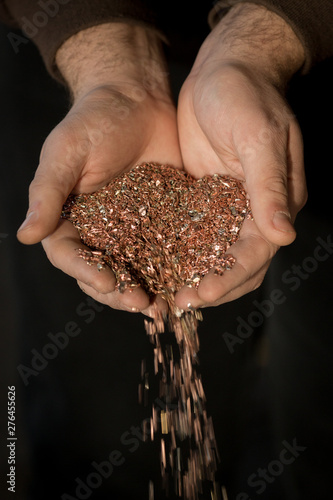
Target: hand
(122,115)
(233,119)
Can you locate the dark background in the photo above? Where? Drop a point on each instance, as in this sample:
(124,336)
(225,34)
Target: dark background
(276,386)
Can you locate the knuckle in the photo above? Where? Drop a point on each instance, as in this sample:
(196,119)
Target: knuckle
(275,186)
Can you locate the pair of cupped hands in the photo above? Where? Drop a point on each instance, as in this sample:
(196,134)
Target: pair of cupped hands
(231,118)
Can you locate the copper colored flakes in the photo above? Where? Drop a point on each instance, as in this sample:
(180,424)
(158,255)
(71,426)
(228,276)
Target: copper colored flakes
(159,228)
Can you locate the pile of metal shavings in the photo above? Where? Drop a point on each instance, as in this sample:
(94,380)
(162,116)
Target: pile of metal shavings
(158,227)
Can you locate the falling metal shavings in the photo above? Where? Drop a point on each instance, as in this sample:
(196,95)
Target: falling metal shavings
(159,228)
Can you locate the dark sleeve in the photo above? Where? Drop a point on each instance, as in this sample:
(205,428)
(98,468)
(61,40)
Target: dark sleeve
(311,20)
(48,23)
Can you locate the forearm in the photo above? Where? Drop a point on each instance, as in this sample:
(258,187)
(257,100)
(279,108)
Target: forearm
(112,53)
(253,36)
(311,20)
(50,24)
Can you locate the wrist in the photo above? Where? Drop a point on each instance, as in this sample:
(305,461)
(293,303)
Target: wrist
(113,54)
(258,39)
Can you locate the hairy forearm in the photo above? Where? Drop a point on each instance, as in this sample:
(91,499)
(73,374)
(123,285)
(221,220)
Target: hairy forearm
(256,37)
(112,53)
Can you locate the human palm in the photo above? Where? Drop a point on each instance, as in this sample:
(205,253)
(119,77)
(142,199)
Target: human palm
(105,133)
(233,123)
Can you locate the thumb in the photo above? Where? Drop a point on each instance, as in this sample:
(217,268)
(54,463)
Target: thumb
(267,184)
(53,182)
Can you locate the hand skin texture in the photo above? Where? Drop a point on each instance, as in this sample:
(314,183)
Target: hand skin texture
(122,114)
(232,119)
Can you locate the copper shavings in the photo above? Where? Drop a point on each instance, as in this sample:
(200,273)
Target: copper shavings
(152,206)
(159,228)
(151,490)
(224,493)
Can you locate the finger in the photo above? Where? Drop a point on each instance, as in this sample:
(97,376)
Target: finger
(297,189)
(268,168)
(131,300)
(248,286)
(61,249)
(55,178)
(188,297)
(157,305)
(252,253)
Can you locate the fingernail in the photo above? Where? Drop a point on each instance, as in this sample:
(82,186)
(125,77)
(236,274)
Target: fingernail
(29,221)
(190,307)
(282,222)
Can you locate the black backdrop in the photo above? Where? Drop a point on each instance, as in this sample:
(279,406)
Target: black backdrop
(269,393)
